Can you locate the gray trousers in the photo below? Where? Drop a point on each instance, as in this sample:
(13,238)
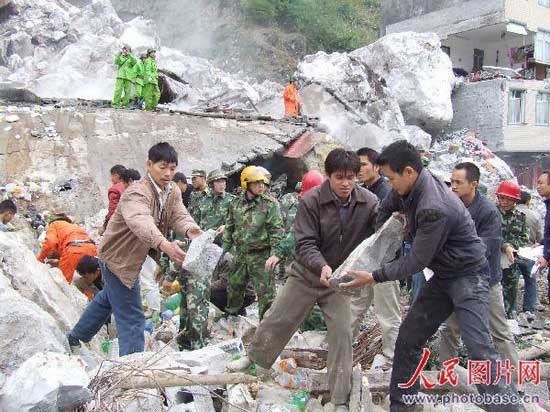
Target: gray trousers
(498,326)
(387,310)
(291,306)
(468,297)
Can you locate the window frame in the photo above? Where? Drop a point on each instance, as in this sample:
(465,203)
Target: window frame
(537,120)
(522,99)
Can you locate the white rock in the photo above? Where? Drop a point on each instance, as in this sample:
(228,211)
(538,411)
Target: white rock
(26,329)
(12,118)
(36,282)
(418,74)
(38,376)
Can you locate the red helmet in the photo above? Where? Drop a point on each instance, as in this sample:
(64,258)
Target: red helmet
(509,189)
(310,180)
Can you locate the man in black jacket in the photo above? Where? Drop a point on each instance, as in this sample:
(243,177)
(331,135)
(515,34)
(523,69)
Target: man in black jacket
(488,222)
(445,241)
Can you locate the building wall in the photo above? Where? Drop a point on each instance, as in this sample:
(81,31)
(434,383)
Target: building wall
(480,107)
(447,17)
(527,137)
(530,13)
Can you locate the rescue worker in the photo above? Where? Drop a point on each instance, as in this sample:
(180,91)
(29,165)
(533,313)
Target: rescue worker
(289,207)
(445,241)
(125,62)
(210,213)
(89,280)
(8,210)
(488,223)
(293,106)
(254,228)
(67,241)
(384,296)
(115,192)
(336,210)
(151,92)
(543,188)
(138,73)
(515,234)
(200,190)
(147,211)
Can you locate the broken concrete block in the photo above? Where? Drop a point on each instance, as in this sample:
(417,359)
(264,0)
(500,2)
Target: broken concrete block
(64,399)
(314,405)
(238,396)
(373,252)
(12,118)
(203,256)
(39,376)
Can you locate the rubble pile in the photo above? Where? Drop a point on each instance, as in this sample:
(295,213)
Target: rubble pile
(465,146)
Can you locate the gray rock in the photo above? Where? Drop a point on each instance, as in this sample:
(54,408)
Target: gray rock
(64,399)
(20,43)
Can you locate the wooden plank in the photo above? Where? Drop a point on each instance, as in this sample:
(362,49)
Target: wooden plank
(154,378)
(366,395)
(355,396)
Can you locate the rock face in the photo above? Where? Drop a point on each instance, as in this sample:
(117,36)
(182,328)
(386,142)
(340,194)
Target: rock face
(418,74)
(38,376)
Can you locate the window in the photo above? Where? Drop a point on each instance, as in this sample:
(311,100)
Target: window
(543,109)
(516,107)
(545,3)
(542,46)
(479,55)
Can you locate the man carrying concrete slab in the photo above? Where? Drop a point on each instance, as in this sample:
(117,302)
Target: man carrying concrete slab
(332,220)
(145,213)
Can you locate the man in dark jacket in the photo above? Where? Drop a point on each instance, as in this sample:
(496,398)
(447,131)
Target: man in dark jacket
(543,187)
(488,222)
(385,296)
(445,241)
(332,220)
(181,180)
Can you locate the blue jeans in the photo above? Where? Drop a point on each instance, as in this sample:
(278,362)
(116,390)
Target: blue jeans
(126,305)
(418,279)
(530,296)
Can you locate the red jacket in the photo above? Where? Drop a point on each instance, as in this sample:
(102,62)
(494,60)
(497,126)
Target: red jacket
(114,194)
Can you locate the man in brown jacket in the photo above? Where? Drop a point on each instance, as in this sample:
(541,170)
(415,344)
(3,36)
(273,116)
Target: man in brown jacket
(332,220)
(147,210)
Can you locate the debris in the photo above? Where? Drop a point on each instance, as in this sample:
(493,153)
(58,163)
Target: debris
(12,118)
(64,398)
(378,249)
(153,378)
(239,398)
(38,377)
(203,256)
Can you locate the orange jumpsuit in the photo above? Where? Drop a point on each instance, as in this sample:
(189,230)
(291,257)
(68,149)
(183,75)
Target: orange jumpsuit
(292,103)
(58,240)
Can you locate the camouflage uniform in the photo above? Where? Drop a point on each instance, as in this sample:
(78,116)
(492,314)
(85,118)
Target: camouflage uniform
(211,211)
(515,232)
(195,200)
(255,229)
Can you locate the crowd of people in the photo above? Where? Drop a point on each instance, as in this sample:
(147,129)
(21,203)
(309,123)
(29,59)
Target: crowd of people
(462,242)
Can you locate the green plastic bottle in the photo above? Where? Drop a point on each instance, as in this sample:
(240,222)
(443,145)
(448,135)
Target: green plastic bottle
(173,302)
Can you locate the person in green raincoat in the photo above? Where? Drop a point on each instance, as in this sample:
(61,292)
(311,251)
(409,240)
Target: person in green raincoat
(151,91)
(125,62)
(137,80)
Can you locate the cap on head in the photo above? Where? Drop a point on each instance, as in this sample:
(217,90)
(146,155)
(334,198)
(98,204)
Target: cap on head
(198,173)
(215,175)
(59,216)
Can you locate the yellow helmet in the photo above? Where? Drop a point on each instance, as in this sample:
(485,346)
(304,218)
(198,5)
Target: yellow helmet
(252,174)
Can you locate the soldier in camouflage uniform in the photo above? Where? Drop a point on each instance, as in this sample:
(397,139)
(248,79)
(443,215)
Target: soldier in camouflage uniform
(209,212)
(254,227)
(200,190)
(515,233)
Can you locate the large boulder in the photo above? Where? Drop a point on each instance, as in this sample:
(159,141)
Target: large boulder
(38,283)
(417,73)
(38,377)
(26,329)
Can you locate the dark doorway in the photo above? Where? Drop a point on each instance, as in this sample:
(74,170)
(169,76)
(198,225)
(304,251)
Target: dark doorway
(478,60)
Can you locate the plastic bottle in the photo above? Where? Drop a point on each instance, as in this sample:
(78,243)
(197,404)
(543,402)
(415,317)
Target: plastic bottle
(173,301)
(286,380)
(167,314)
(299,401)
